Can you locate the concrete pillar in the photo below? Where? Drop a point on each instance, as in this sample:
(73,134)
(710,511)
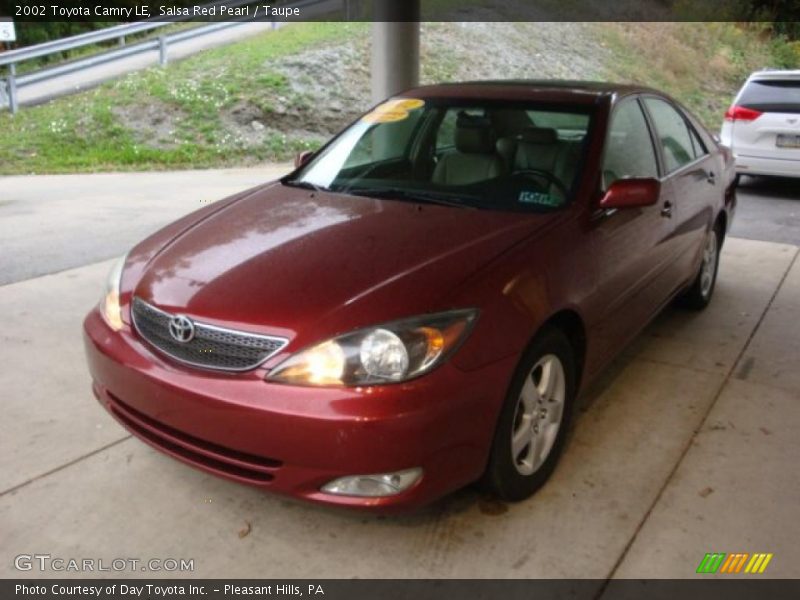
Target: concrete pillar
(395,47)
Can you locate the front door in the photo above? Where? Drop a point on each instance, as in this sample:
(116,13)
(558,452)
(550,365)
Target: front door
(630,246)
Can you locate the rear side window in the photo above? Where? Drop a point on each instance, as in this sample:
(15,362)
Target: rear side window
(673,134)
(629,149)
(697,143)
(771,96)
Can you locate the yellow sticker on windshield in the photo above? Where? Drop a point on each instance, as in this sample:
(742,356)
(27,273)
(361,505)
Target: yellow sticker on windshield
(388,116)
(409,103)
(393,110)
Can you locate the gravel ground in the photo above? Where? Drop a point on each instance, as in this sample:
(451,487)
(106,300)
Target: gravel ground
(335,79)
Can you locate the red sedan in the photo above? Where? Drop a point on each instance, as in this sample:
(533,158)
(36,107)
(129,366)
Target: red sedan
(419,304)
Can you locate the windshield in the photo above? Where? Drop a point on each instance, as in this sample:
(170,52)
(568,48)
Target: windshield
(499,156)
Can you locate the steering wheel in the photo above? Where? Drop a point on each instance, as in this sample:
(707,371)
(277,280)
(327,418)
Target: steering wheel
(547,176)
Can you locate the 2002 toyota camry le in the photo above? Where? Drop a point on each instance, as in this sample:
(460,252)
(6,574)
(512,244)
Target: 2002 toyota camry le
(418,305)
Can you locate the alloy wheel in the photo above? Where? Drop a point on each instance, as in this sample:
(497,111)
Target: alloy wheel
(538,414)
(709,267)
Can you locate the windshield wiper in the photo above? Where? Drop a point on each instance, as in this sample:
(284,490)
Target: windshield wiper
(394,193)
(305,185)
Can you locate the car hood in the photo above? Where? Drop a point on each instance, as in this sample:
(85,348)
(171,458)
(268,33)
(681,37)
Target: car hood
(285,260)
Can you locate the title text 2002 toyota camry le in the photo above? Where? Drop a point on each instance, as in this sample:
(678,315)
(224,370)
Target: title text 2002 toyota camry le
(418,305)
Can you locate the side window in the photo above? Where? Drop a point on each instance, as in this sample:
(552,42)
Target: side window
(629,149)
(673,133)
(697,143)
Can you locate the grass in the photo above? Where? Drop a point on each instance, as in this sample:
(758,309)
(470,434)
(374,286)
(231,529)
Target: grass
(701,64)
(233,105)
(92,132)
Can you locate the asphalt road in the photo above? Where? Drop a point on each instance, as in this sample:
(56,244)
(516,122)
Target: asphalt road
(769,210)
(49,223)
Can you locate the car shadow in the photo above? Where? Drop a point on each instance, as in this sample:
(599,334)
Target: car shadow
(787,188)
(472,497)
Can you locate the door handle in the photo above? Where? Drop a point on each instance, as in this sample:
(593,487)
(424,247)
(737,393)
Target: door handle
(711,178)
(666,211)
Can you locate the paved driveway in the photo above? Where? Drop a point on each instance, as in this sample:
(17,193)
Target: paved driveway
(687,446)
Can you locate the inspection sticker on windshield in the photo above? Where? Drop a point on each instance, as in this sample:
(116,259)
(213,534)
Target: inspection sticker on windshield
(540,198)
(393,110)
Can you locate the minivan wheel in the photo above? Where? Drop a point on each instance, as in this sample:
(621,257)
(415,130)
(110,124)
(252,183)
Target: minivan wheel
(699,295)
(534,420)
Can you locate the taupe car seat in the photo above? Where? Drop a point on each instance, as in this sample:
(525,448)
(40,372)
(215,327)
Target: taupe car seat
(474,159)
(539,149)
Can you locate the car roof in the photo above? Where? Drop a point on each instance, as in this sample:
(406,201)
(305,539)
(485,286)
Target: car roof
(553,90)
(774,74)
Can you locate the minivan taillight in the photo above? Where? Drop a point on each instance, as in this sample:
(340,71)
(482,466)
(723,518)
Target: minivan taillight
(740,113)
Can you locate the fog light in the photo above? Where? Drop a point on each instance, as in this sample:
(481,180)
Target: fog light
(374,486)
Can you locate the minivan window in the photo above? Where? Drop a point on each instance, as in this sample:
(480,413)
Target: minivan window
(672,132)
(773,95)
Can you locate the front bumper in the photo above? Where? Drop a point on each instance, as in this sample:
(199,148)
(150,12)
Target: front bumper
(293,440)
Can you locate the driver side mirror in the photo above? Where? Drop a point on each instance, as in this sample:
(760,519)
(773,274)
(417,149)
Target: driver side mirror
(631,193)
(302,158)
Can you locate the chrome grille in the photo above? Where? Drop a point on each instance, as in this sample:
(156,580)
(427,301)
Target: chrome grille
(211,347)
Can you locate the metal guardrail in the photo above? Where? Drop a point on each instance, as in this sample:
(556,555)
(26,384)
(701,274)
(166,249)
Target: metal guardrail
(12,58)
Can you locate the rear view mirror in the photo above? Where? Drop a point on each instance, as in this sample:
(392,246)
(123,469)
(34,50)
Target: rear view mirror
(302,158)
(631,193)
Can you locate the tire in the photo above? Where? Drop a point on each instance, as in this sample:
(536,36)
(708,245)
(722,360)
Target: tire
(698,296)
(516,474)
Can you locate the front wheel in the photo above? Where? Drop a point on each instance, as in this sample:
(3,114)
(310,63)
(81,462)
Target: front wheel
(699,295)
(534,420)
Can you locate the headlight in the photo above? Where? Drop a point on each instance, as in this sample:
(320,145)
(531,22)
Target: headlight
(111,309)
(388,353)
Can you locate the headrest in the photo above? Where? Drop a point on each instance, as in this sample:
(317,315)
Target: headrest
(506,146)
(474,135)
(539,135)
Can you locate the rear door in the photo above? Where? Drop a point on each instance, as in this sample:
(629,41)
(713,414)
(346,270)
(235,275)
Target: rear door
(774,133)
(694,183)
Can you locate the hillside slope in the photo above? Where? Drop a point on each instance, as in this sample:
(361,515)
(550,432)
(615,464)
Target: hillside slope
(267,97)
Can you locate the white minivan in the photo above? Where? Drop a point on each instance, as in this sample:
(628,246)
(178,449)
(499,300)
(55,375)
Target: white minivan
(762,127)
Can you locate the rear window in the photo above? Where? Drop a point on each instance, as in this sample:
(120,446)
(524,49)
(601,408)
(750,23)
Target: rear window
(777,95)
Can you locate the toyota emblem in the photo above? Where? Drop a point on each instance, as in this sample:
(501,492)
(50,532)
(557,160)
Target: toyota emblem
(181,328)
